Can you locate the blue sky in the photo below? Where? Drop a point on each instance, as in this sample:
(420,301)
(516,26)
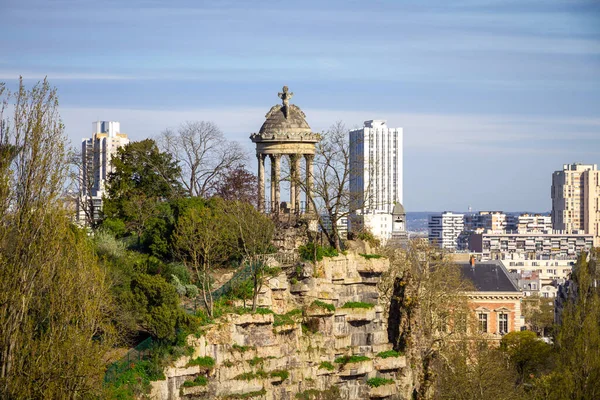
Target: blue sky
(493,95)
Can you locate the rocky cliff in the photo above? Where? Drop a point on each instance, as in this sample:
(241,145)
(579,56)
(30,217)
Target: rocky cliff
(324,337)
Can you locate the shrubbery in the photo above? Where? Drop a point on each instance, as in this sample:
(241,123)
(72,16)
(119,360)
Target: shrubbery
(312,251)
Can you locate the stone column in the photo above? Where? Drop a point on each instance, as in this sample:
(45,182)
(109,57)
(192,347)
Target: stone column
(296,182)
(275,172)
(309,180)
(293,193)
(261,182)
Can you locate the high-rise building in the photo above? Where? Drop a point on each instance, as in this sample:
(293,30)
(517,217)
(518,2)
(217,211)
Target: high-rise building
(445,229)
(576,200)
(96,154)
(375,177)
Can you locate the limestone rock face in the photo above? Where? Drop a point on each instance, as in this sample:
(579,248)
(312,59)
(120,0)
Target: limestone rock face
(323,349)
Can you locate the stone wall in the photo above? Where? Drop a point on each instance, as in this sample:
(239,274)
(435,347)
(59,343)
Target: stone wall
(263,356)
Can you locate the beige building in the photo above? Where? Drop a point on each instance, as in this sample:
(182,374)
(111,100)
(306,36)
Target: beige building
(96,156)
(576,200)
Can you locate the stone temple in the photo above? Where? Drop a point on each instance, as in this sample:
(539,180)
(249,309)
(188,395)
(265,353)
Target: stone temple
(286,133)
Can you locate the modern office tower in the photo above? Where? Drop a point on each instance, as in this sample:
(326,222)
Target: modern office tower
(96,154)
(445,229)
(529,223)
(375,177)
(576,199)
(484,221)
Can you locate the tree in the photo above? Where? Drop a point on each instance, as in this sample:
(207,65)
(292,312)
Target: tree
(577,340)
(474,370)
(237,184)
(526,352)
(204,153)
(203,240)
(331,177)
(426,293)
(539,314)
(142,178)
(55,305)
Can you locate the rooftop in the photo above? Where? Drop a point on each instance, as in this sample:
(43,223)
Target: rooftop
(488,277)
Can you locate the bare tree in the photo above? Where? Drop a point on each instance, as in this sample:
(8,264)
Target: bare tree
(203,153)
(333,168)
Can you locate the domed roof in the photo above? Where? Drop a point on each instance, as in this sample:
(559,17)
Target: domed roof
(286,119)
(398,209)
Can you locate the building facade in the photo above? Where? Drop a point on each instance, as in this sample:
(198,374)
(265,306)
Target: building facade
(96,156)
(556,245)
(540,277)
(445,230)
(375,177)
(576,199)
(483,221)
(495,300)
(529,223)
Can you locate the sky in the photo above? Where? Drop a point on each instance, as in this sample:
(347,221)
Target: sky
(493,96)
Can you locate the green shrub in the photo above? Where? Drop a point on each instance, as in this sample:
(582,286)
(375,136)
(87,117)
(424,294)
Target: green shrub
(281,373)
(370,256)
(308,252)
(242,349)
(358,304)
(228,364)
(322,304)
(207,362)
(248,376)
(199,381)
(326,365)
(376,382)
(256,361)
(367,236)
(389,353)
(333,393)
(350,359)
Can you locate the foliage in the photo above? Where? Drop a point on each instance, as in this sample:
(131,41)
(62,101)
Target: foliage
(256,360)
(242,349)
(206,362)
(142,178)
(312,251)
(539,314)
(237,184)
(322,304)
(425,293)
(200,380)
(248,376)
(55,303)
(475,370)
(371,256)
(280,373)
(377,381)
(366,236)
(332,393)
(350,359)
(130,381)
(576,372)
(326,365)
(388,354)
(526,352)
(310,326)
(357,304)
(286,319)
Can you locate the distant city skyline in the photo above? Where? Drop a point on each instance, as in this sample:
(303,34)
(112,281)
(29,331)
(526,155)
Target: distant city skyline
(493,96)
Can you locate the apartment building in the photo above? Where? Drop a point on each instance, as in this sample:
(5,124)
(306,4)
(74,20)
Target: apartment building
(445,230)
(576,200)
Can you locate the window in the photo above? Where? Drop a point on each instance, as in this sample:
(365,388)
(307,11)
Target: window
(483,323)
(503,323)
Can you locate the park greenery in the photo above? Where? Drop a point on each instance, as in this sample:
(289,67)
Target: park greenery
(72,299)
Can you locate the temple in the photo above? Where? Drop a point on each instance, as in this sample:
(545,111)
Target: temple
(285,132)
